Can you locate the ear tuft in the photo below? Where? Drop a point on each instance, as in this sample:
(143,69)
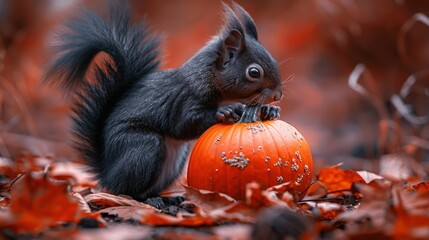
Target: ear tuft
(232,22)
(246,20)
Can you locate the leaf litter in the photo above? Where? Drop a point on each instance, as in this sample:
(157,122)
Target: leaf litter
(340,203)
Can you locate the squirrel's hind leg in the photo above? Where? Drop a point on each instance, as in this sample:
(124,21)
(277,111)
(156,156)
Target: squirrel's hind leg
(177,154)
(135,159)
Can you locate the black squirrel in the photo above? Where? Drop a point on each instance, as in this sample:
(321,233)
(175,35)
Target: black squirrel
(133,122)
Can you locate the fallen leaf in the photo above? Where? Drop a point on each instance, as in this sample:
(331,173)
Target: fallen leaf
(8,168)
(414,203)
(373,215)
(74,173)
(31,163)
(368,177)
(410,224)
(336,179)
(150,217)
(37,203)
(253,195)
(422,187)
(325,211)
(396,167)
(83,205)
(125,213)
(158,219)
(105,200)
(207,200)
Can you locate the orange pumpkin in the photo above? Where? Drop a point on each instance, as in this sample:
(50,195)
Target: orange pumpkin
(228,156)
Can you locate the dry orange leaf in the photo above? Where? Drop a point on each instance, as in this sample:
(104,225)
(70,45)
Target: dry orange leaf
(105,200)
(410,224)
(336,179)
(207,200)
(422,187)
(37,203)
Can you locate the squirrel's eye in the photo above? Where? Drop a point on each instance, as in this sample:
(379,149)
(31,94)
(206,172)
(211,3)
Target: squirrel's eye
(254,72)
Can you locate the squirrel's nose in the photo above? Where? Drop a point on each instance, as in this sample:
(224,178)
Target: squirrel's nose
(277,96)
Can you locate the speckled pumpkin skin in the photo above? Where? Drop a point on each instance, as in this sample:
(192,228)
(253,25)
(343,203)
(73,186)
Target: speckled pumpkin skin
(228,156)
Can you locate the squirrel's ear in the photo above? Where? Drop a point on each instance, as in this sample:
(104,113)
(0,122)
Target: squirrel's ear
(232,45)
(246,20)
(234,41)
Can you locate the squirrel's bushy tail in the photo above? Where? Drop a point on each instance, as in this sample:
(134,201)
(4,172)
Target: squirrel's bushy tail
(133,54)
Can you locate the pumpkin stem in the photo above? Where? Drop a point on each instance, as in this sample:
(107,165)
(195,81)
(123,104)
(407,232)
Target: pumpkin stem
(251,113)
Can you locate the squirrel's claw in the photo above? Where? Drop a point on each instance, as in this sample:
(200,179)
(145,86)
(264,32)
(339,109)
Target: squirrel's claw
(269,112)
(230,113)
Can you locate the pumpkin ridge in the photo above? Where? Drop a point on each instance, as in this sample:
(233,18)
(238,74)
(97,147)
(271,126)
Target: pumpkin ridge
(215,151)
(239,144)
(279,178)
(253,166)
(262,154)
(271,129)
(227,169)
(287,145)
(193,172)
(253,146)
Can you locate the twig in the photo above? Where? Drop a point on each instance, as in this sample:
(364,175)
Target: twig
(377,102)
(404,109)
(418,17)
(15,179)
(354,80)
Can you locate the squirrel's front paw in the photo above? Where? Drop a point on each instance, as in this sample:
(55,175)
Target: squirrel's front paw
(230,113)
(269,112)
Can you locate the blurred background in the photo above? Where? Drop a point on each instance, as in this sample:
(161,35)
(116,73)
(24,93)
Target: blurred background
(356,71)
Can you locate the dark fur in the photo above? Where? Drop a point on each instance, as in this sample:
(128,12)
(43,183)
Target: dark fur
(132,123)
